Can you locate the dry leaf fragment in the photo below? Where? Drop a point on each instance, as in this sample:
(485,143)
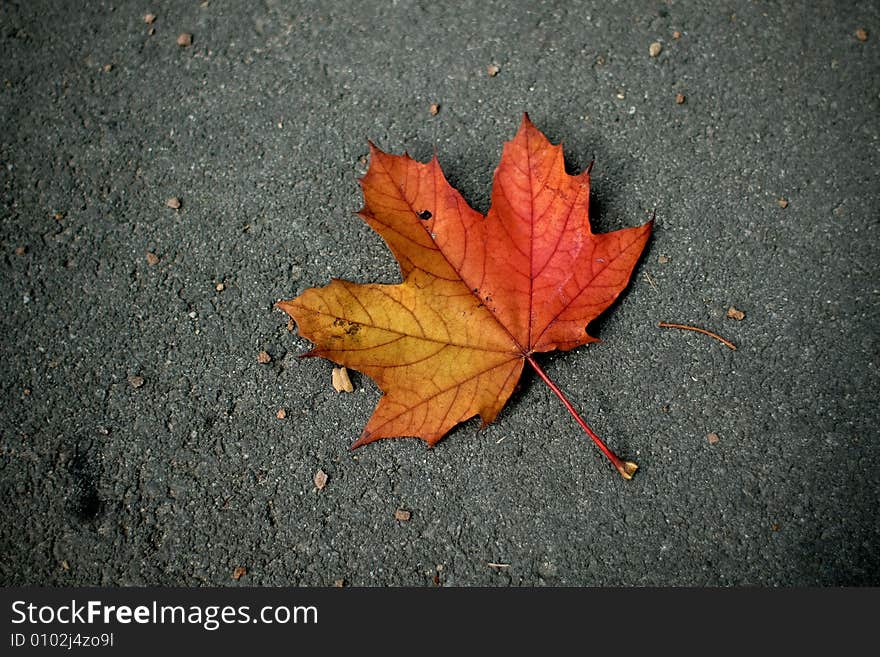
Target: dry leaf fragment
(492,70)
(713,438)
(733,313)
(149,18)
(263,357)
(173,203)
(862,34)
(434,109)
(341,381)
(107,68)
(662,259)
(135,381)
(679,98)
(152,259)
(184,39)
(320,479)
(655,49)
(339,583)
(65,565)
(281,414)
(402,515)
(783,203)
(239,572)
(676,35)
(19,250)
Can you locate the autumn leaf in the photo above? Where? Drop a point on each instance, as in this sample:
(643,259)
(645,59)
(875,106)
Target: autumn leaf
(481,295)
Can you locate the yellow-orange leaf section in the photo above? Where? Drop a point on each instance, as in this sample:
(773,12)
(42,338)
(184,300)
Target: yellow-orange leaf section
(480,294)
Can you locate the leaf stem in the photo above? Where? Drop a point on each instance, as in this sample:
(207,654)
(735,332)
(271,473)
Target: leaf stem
(626,468)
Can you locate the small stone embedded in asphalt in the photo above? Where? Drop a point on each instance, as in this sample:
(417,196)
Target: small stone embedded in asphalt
(655,49)
(320,479)
(402,515)
(135,381)
(173,203)
(492,70)
(152,259)
(713,438)
(734,313)
(185,39)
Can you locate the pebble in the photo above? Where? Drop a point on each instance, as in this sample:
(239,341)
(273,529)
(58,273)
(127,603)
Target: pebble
(320,479)
(734,313)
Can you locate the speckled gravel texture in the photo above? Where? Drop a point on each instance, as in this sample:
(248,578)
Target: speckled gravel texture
(140,441)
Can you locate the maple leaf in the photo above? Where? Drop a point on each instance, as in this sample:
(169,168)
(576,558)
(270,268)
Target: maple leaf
(480,296)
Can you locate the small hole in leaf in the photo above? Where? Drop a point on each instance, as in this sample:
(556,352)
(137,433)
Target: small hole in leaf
(424,215)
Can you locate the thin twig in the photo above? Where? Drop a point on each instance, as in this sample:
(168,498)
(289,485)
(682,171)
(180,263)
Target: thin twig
(650,280)
(498,565)
(685,327)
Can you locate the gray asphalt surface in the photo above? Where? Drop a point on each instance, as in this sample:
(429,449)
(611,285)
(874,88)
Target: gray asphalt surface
(260,127)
